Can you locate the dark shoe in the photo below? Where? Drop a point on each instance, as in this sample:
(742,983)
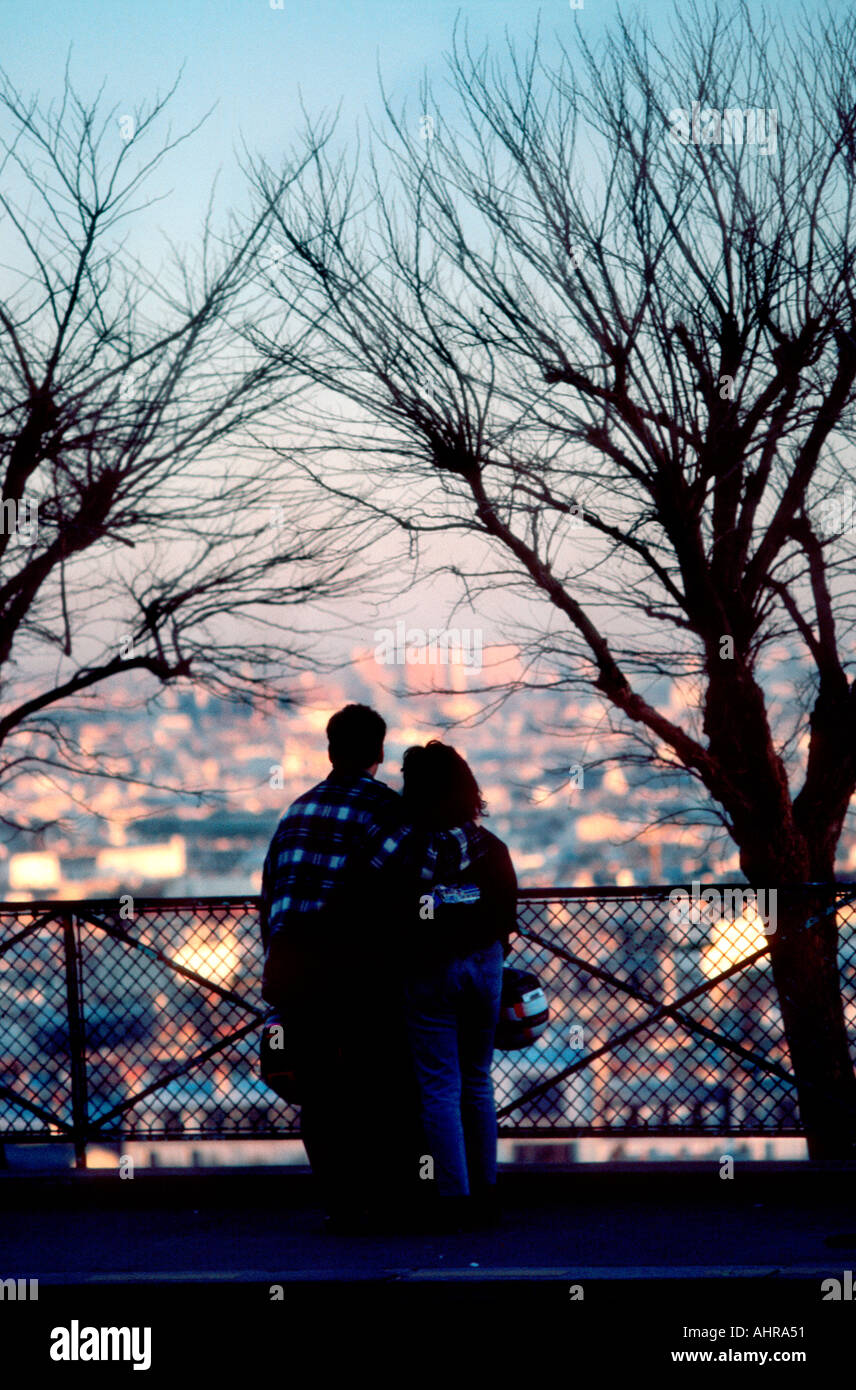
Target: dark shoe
(447,1216)
(483,1211)
(348,1223)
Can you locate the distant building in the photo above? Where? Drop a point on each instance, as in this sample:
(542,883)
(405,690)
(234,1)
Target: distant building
(34,873)
(136,863)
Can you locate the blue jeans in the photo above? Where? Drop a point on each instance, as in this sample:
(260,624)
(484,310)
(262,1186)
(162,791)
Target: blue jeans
(451,1013)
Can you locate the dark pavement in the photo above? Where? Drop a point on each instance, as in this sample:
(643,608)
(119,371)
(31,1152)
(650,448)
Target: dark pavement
(615,1221)
(650,1245)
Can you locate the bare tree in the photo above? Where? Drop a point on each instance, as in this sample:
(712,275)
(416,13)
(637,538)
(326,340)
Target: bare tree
(599,313)
(141,529)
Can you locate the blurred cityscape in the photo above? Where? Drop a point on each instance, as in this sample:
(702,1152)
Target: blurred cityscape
(215,778)
(220,774)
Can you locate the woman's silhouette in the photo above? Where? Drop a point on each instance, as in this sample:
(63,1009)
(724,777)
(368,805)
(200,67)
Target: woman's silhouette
(454,937)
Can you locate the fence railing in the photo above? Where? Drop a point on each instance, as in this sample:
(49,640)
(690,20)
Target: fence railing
(138,1019)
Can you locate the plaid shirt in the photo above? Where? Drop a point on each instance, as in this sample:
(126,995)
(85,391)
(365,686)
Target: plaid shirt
(431,856)
(313,842)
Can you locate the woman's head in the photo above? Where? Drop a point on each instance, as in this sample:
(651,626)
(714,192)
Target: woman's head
(439,788)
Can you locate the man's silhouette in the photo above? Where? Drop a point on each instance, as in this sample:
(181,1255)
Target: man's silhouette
(318,963)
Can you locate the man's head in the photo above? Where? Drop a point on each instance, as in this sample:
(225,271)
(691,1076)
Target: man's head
(355,737)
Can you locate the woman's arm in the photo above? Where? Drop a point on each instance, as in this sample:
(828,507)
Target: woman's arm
(499,891)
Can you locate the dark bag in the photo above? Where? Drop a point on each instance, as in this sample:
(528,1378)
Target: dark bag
(460,922)
(523,1011)
(277,1059)
(463,921)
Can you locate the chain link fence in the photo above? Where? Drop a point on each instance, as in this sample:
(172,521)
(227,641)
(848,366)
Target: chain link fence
(142,1022)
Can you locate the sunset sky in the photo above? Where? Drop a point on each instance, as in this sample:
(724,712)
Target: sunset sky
(255,62)
(254,65)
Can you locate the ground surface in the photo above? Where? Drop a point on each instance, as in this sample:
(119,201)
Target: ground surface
(252,1224)
(652,1249)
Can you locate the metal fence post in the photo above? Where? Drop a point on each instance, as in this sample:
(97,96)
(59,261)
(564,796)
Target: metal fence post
(76,1041)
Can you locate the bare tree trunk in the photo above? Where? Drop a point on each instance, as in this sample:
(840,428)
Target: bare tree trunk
(808,983)
(777,852)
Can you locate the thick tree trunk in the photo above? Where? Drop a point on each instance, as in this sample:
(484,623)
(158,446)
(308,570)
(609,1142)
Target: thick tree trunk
(775,851)
(808,984)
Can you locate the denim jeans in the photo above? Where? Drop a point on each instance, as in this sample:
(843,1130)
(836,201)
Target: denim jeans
(451,1012)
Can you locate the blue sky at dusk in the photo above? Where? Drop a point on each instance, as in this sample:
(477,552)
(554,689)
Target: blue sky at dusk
(255,61)
(253,64)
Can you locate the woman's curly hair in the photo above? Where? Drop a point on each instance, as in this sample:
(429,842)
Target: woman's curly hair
(439,787)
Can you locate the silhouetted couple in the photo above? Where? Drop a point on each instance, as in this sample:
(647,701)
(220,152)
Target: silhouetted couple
(385,920)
